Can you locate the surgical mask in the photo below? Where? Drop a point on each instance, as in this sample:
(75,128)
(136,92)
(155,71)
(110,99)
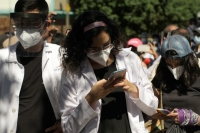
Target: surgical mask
(28,37)
(177,72)
(192,27)
(196,40)
(100,57)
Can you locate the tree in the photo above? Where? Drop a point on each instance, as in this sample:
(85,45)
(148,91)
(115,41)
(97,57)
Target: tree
(136,16)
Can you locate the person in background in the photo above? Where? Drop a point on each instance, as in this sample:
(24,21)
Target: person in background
(30,74)
(156,43)
(57,38)
(51,30)
(196,40)
(177,75)
(89,103)
(192,26)
(144,37)
(145,55)
(151,70)
(167,31)
(133,43)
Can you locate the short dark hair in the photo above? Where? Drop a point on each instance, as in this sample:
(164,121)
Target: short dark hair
(193,21)
(29,5)
(58,38)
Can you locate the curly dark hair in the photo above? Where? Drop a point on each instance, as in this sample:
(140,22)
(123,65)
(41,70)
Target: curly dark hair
(77,41)
(191,72)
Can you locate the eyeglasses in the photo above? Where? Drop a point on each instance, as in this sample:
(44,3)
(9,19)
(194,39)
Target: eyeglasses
(94,50)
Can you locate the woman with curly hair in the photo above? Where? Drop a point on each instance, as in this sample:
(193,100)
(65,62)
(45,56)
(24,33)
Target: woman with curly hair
(177,76)
(88,102)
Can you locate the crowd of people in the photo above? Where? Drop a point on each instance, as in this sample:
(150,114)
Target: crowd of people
(60,83)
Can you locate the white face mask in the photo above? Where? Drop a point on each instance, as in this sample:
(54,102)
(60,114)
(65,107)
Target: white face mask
(177,72)
(28,37)
(192,27)
(100,57)
(197,40)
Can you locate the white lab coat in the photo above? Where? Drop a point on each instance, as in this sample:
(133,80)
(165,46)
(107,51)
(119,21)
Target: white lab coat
(76,114)
(12,74)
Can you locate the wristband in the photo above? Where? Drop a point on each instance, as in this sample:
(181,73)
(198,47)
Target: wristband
(187,117)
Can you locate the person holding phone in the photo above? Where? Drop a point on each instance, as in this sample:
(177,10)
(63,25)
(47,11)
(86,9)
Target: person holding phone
(87,102)
(178,76)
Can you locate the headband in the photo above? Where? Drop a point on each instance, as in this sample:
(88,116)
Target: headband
(94,25)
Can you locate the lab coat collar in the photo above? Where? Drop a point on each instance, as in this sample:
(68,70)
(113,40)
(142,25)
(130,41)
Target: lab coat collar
(88,71)
(119,57)
(12,57)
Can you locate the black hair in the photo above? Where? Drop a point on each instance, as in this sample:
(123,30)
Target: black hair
(29,5)
(77,41)
(58,38)
(191,72)
(193,21)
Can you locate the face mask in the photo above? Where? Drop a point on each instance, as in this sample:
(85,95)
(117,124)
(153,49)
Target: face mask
(155,41)
(28,38)
(100,57)
(177,72)
(197,40)
(192,27)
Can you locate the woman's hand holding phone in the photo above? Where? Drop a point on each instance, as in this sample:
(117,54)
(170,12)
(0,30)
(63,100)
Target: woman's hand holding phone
(128,87)
(118,79)
(99,91)
(161,114)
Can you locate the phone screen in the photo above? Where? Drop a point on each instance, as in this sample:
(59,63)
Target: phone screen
(163,111)
(115,75)
(143,48)
(118,74)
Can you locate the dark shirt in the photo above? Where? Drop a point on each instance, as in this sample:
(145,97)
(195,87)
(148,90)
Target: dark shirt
(188,100)
(35,110)
(114,117)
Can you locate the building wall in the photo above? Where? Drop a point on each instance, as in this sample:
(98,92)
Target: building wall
(60,4)
(4,24)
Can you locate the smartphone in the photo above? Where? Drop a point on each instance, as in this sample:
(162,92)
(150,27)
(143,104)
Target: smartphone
(118,74)
(53,16)
(163,111)
(143,48)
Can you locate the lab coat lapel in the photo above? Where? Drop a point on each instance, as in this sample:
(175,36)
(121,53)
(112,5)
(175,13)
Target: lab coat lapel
(122,60)
(45,56)
(88,71)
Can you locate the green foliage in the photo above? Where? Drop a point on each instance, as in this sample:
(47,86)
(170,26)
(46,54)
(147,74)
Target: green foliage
(136,16)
